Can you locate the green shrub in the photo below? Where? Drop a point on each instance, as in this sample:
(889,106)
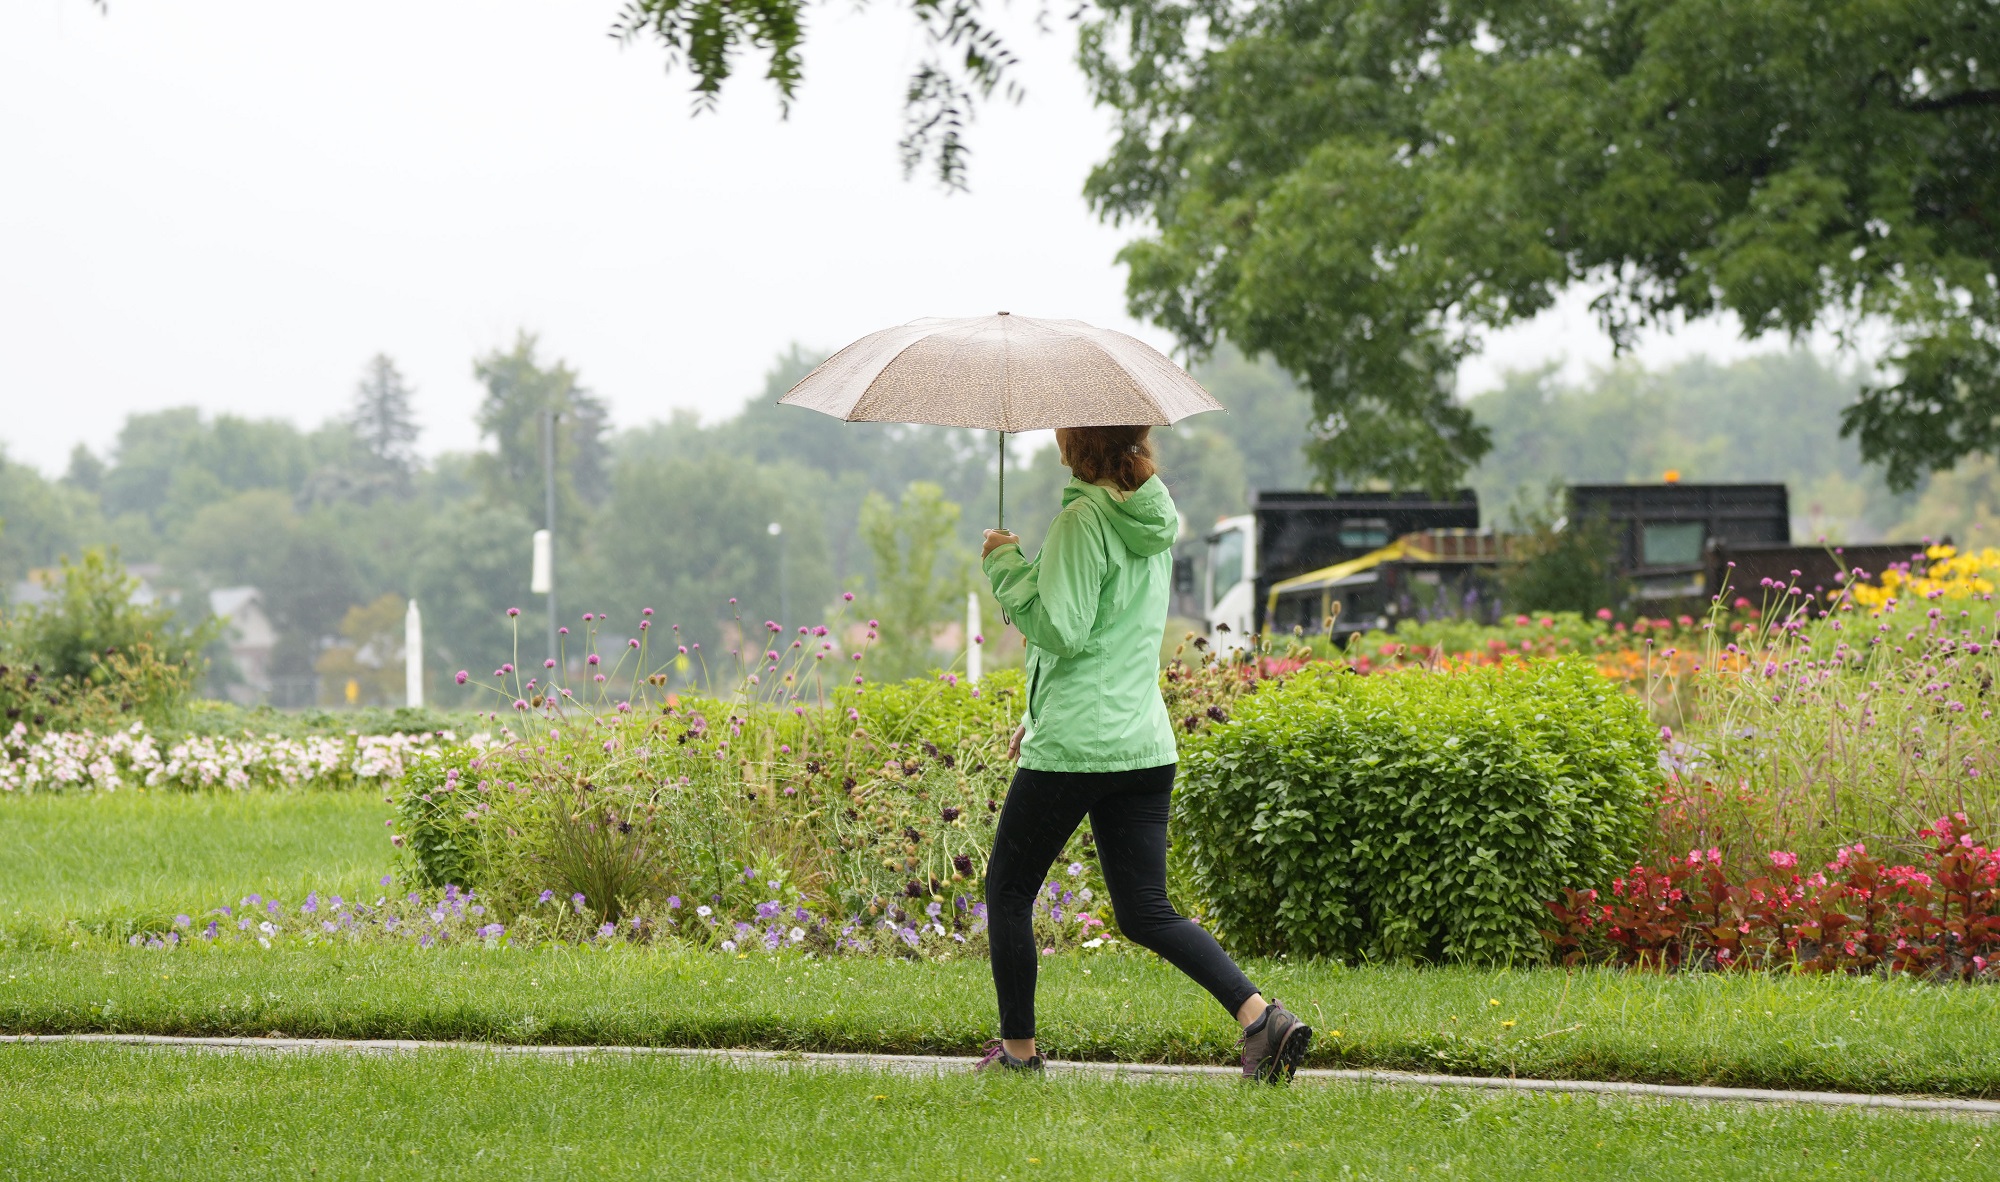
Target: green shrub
(91,659)
(1413,815)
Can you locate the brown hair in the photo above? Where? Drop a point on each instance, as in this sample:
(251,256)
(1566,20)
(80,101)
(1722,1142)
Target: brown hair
(1122,455)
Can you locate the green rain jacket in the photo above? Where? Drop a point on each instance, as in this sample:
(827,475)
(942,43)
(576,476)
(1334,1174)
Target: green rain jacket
(1093,607)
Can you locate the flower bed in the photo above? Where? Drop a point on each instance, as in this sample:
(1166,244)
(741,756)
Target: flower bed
(85,761)
(1937,919)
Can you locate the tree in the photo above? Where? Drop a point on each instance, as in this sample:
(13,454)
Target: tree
(519,391)
(685,538)
(471,567)
(920,575)
(370,654)
(964,62)
(1363,187)
(383,420)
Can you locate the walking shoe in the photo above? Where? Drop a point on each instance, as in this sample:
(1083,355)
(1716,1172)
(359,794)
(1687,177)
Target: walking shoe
(1274,1045)
(997,1058)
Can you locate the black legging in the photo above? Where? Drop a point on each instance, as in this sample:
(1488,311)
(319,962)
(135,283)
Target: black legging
(1128,817)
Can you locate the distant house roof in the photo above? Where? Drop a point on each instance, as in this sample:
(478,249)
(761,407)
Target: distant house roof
(225,602)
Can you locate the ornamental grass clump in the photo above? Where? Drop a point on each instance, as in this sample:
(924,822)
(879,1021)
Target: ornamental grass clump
(1413,816)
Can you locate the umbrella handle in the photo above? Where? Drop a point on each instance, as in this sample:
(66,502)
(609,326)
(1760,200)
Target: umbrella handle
(1004,618)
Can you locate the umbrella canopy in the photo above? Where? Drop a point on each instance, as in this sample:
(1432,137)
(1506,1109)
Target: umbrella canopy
(1001,373)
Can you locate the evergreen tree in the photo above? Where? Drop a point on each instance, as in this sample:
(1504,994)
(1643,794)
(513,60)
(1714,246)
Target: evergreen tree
(383,420)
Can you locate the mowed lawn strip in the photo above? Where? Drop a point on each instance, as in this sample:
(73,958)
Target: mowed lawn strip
(1837,1033)
(138,858)
(94,1112)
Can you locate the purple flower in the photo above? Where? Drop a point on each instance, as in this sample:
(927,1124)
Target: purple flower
(591,659)
(181,921)
(605,931)
(909,935)
(461,677)
(385,880)
(578,900)
(933,908)
(673,902)
(311,903)
(769,910)
(1075,868)
(802,915)
(546,896)
(847,596)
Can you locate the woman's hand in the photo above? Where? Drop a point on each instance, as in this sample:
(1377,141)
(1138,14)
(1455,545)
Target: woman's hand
(1014,744)
(996,538)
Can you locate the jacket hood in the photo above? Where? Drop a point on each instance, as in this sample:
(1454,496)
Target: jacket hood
(1145,520)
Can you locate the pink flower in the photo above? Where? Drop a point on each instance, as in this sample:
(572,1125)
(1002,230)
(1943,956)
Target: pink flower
(633,643)
(1782,859)
(461,677)
(507,668)
(645,611)
(562,631)
(591,659)
(979,638)
(588,617)
(513,611)
(847,596)
(549,664)
(1604,613)
(873,624)
(519,704)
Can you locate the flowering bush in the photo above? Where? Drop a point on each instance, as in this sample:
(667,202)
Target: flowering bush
(805,786)
(86,761)
(1938,919)
(1949,574)
(1417,816)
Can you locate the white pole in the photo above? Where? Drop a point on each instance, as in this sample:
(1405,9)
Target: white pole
(972,630)
(413,655)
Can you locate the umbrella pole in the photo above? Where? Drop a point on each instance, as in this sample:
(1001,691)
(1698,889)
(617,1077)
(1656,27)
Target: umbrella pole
(1003,480)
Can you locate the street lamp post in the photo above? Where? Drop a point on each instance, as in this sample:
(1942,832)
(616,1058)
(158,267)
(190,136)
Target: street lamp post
(784,590)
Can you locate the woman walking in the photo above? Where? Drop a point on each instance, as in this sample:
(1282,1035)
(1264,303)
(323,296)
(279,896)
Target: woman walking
(1095,740)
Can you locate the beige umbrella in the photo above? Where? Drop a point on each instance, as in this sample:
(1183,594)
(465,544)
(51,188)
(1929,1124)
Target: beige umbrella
(1001,373)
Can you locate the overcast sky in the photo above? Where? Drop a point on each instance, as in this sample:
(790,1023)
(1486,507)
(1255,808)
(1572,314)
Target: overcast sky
(234,204)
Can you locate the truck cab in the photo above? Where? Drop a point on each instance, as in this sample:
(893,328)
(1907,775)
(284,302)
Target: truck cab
(1229,592)
(1290,533)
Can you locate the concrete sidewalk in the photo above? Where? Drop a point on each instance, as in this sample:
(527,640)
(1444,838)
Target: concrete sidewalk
(940,1064)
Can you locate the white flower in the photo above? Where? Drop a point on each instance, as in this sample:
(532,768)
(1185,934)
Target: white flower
(704,911)
(797,934)
(1097,943)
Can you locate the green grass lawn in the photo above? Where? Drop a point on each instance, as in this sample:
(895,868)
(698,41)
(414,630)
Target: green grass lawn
(112,858)
(99,1112)
(1749,1030)
(107,861)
